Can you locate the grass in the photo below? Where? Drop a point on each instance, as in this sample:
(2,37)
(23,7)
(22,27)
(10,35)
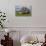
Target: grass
(20,14)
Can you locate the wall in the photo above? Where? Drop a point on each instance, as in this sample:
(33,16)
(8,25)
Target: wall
(38,14)
(36,23)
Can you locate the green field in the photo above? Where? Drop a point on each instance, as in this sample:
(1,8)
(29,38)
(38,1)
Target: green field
(20,14)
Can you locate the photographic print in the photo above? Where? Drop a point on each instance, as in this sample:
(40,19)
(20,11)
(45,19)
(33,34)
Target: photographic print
(23,8)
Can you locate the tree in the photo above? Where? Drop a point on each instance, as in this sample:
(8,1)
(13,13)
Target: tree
(25,10)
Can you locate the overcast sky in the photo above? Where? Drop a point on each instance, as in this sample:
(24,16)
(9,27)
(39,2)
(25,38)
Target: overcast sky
(24,2)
